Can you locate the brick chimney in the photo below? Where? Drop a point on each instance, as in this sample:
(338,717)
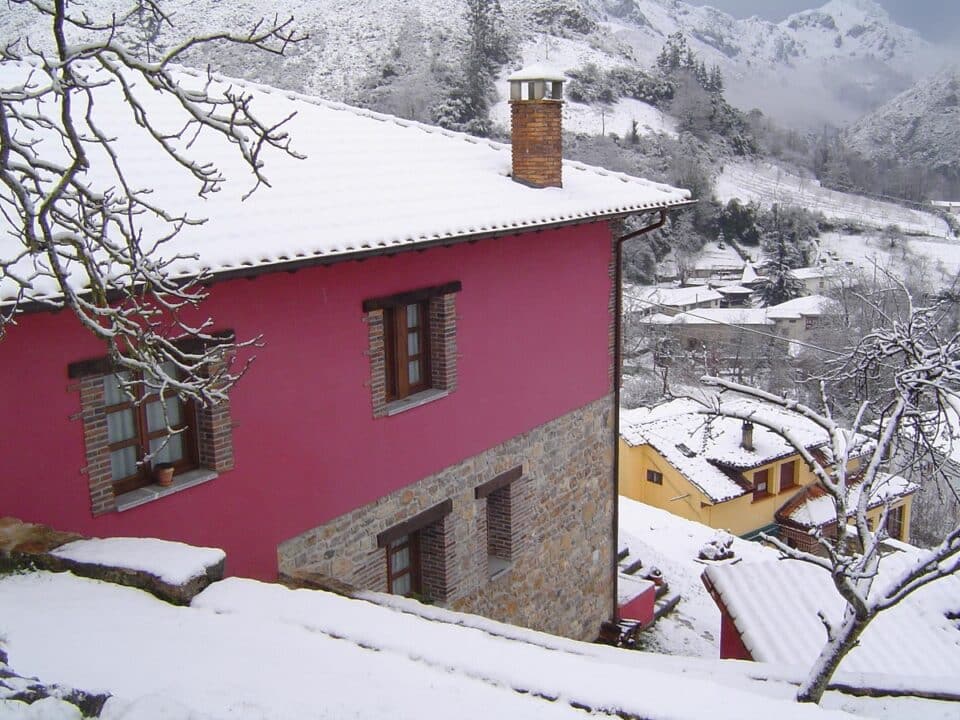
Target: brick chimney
(746,435)
(536,98)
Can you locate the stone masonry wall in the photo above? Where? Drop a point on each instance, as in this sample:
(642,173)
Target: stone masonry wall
(559,578)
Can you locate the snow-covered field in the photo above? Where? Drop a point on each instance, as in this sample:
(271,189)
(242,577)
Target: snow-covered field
(939,258)
(767,184)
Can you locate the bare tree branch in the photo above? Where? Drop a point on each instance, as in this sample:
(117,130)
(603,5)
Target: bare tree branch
(98,248)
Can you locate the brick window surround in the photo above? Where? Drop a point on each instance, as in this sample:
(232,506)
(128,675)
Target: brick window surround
(508,515)
(440,340)
(213,434)
(432,533)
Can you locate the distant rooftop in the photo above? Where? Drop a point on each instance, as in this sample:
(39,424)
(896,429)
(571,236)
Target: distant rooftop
(707,449)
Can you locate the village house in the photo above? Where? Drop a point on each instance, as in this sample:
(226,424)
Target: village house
(950,206)
(728,338)
(641,301)
(738,476)
(815,280)
(796,319)
(432,409)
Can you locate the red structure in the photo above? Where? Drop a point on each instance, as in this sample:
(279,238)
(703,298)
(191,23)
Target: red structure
(307,447)
(641,607)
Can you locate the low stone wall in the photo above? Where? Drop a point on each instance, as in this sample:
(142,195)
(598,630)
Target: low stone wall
(29,546)
(554,565)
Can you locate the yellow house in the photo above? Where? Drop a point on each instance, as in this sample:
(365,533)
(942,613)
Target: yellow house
(733,475)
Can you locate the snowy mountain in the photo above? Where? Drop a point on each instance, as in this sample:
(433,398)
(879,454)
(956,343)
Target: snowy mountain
(825,65)
(920,126)
(829,64)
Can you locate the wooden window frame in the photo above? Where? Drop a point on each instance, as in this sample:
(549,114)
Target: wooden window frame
(396,347)
(412,528)
(895,519)
(759,494)
(211,446)
(387,335)
(187,429)
(655,477)
(410,542)
(793,476)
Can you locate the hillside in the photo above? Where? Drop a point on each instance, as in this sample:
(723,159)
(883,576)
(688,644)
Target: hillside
(838,61)
(767,184)
(921,126)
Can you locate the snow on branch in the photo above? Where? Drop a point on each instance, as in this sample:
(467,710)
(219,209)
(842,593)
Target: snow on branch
(92,236)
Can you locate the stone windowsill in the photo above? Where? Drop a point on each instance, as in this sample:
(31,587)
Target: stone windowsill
(149,493)
(414,401)
(497,566)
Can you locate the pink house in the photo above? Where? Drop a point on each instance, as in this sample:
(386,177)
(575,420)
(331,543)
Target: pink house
(432,410)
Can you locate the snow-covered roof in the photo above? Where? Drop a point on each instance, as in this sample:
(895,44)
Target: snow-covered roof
(370,183)
(246,649)
(749,274)
(725,316)
(812,507)
(775,606)
(639,298)
(806,306)
(660,539)
(813,273)
(733,290)
(707,449)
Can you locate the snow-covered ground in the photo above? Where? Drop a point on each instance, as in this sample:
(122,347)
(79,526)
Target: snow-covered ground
(247,649)
(252,650)
(767,184)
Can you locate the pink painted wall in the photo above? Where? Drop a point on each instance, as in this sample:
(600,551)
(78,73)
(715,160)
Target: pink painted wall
(533,345)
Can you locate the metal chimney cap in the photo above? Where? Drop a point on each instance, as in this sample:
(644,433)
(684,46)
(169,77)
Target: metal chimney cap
(537,72)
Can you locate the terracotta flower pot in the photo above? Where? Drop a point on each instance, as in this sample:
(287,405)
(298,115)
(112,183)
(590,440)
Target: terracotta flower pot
(163,474)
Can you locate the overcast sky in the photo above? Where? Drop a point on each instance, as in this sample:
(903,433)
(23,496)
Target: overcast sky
(937,20)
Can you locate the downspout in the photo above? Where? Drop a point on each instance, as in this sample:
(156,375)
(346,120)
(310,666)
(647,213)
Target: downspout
(617,372)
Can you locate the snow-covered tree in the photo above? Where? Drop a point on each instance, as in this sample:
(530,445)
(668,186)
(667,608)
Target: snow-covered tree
(487,45)
(915,369)
(784,243)
(87,231)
